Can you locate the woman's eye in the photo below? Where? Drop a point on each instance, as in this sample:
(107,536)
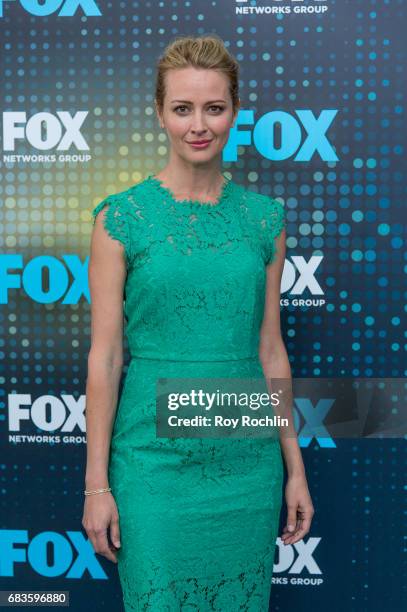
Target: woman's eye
(214,106)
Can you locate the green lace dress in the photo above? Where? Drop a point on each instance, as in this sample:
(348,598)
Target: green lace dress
(198,517)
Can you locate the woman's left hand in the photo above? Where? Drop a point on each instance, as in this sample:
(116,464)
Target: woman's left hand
(299,509)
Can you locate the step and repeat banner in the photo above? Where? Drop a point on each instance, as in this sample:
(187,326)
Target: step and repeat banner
(321,128)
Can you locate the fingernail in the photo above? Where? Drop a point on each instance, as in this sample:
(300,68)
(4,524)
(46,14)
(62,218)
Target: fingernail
(290,527)
(117,544)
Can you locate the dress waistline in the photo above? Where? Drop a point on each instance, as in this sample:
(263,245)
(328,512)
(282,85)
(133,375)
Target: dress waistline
(182,359)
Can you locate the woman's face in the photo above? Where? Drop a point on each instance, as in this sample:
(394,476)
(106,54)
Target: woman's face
(197,107)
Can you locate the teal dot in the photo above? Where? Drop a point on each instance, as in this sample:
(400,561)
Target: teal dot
(369,320)
(356,307)
(331,216)
(344,229)
(318,215)
(358,163)
(305,229)
(371,163)
(395,321)
(357,216)
(395,346)
(356,346)
(383,229)
(396,242)
(357,255)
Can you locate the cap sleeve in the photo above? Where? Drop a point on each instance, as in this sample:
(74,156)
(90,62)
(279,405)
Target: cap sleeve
(275,222)
(116,222)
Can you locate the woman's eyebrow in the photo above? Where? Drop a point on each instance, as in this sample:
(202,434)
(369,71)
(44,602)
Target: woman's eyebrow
(189,101)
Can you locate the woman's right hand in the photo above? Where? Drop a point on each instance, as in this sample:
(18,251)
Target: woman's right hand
(99,515)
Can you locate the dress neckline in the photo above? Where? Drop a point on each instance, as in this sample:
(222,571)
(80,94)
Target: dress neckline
(166,191)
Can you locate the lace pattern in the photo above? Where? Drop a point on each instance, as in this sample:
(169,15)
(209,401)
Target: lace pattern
(168,193)
(273,223)
(196,272)
(198,518)
(184,224)
(116,222)
(243,592)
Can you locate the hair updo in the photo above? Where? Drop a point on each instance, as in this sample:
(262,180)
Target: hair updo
(208,52)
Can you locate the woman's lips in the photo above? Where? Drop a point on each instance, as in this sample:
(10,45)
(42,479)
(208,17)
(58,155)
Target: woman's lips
(201,144)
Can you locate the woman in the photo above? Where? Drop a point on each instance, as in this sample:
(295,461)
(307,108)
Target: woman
(192,523)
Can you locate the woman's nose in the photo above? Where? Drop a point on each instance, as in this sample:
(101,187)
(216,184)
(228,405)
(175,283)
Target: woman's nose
(198,123)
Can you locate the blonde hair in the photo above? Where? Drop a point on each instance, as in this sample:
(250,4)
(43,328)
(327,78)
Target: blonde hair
(207,52)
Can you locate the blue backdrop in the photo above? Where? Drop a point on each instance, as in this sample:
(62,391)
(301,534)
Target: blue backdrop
(322,129)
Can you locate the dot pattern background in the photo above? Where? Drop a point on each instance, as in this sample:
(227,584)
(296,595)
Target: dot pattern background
(352,59)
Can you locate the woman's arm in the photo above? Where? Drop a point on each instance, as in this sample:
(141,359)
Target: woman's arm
(273,355)
(107,273)
(274,360)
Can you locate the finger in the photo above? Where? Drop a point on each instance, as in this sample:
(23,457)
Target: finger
(291,518)
(98,547)
(303,524)
(298,525)
(110,553)
(287,533)
(286,537)
(102,544)
(115,532)
(295,537)
(306,524)
(300,520)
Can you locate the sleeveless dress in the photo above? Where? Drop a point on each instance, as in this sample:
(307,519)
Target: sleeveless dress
(198,517)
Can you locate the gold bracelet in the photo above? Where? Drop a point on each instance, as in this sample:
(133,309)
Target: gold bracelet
(97,491)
